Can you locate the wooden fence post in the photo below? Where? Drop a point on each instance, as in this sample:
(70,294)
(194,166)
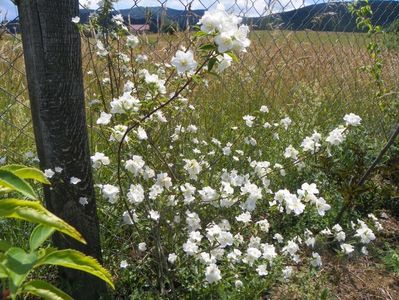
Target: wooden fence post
(53,63)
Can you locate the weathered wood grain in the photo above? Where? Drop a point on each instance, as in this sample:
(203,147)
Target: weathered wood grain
(52,54)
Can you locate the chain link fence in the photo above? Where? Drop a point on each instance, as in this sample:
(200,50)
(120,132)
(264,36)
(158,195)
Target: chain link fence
(297,47)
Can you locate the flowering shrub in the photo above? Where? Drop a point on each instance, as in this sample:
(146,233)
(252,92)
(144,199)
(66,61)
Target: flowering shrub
(202,215)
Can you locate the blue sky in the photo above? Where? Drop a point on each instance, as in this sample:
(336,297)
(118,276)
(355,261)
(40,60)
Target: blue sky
(241,7)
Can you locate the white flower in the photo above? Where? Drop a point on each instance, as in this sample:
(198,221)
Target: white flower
(83,201)
(118,19)
(340,236)
(336,136)
(101,49)
(58,169)
(291,152)
(172,258)
(244,217)
(337,228)
(141,134)
(141,58)
(74,180)
(291,248)
(49,173)
(278,237)
(286,122)
(132,41)
(352,119)
(118,133)
(322,206)
(208,194)
(99,159)
(263,225)
(287,272)
(163,180)
(192,167)
(110,192)
(153,80)
(184,61)
(316,261)
(135,165)
(294,204)
(142,246)
(104,118)
(264,109)
(269,251)
(188,191)
(347,248)
(238,284)
(252,255)
(365,234)
(223,62)
(154,215)
(225,238)
(212,273)
(262,270)
(127,219)
(311,143)
(249,120)
(190,247)
(124,264)
(135,194)
(224,42)
(75,20)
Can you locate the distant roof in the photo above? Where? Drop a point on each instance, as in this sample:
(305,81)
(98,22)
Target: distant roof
(139,27)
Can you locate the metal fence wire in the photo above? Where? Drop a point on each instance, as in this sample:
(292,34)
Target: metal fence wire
(295,44)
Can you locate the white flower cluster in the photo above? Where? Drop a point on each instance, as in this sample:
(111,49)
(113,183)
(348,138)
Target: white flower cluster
(230,35)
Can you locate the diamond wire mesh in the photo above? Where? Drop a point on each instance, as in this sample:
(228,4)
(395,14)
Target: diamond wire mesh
(295,44)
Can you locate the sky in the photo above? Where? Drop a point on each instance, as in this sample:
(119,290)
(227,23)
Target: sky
(241,7)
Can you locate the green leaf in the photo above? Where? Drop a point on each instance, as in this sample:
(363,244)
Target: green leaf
(34,212)
(3,272)
(207,47)
(211,63)
(4,246)
(200,34)
(76,260)
(12,168)
(32,173)
(26,173)
(233,56)
(45,290)
(13,182)
(39,235)
(18,264)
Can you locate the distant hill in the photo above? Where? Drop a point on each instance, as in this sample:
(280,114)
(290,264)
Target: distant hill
(332,16)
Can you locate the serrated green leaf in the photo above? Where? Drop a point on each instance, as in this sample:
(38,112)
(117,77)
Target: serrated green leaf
(76,260)
(45,290)
(13,182)
(39,235)
(12,167)
(34,212)
(26,173)
(31,173)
